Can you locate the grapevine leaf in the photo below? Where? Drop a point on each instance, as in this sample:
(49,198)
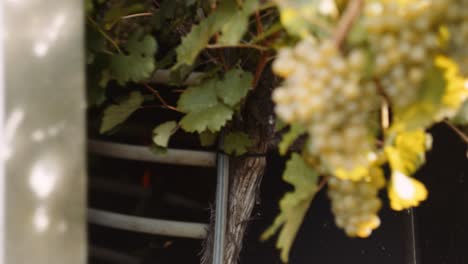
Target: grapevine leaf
(119,10)
(199,37)
(425,110)
(236,26)
(461,118)
(138,64)
(163,132)
(207,138)
(198,97)
(406,154)
(201,102)
(405,192)
(130,68)
(294,132)
(143,46)
(234,87)
(117,113)
(158,150)
(236,143)
(302,17)
(442,94)
(96,80)
(279,124)
(224,19)
(211,118)
(294,204)
(95,42)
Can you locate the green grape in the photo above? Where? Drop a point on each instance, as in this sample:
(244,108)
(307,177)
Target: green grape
(355,204)
(457,16)
(325,91)
(404,36)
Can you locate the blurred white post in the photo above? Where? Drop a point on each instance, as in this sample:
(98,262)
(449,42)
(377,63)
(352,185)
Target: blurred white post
(42,131)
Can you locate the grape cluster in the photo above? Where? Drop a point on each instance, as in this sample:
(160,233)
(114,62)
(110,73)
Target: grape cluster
(457,16)
(325,91)
(355,203)
(403,36)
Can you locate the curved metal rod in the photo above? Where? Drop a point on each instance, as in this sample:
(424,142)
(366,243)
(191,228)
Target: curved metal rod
(147,225)
(142,153)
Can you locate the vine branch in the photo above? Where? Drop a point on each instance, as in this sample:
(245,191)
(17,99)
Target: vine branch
(460,133)
(103,33)
(145,14)
(351,13)
(248,46)
(157,95)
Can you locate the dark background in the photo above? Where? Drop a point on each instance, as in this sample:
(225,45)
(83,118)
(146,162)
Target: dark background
(435,232)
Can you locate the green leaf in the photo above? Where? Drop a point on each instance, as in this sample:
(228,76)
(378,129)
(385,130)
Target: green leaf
(224,19)
(207,138)
(294,204)
(118,11)
(407,152)
(163,132)
(279,124)
(461,118)
(236,143)
(96,80)
(199,97)
(117,113)
(234,87)
(212,118)
(158,150)
(294,132)
(426,108)
(139,64)
(235,27)
(303,17)
(201,101)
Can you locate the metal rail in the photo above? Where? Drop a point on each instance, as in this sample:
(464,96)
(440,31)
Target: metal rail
(147,225)
(142,153)
(222,190)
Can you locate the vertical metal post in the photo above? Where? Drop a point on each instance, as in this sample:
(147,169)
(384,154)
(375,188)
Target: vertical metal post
(42,119)
(412,245)
(222,190)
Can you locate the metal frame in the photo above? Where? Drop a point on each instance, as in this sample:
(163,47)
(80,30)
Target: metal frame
(142,153)
(167,227)
(147,225)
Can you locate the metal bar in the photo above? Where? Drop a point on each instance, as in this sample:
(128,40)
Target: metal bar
(147,225)
(112,256)
(141,153)
(164,77)
(413,256)
(222,190)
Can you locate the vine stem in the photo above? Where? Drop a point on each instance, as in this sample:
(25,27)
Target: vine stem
(156,93)
(323,183)
(458,131)
(103,33)
(248,46)
(352,12)
(137,15)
